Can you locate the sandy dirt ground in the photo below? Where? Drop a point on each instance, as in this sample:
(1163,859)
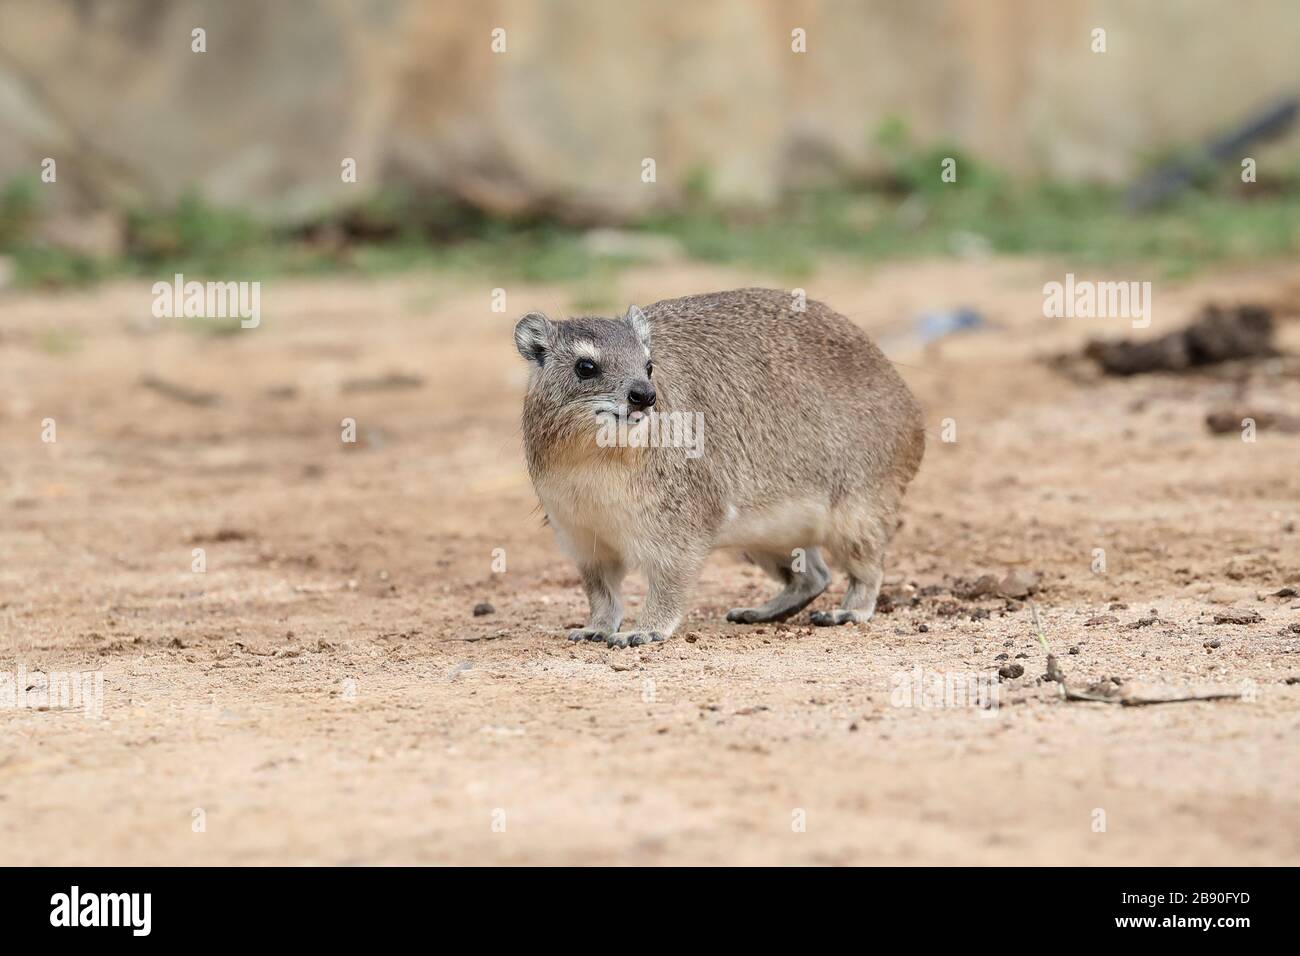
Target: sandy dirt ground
(324,694)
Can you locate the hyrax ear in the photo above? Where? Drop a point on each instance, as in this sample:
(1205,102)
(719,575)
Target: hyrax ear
(533,337)
(640,324)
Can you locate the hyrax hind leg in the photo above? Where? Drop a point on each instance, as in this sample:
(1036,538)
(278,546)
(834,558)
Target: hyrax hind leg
(804,575)
(864,559)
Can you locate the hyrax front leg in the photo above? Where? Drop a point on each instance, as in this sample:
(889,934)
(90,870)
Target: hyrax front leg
(670,582)
(602,583)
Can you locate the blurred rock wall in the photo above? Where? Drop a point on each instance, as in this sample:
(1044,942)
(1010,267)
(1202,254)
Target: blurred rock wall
(587,89)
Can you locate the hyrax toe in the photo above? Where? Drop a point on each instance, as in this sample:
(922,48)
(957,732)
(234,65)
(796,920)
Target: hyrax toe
(634,638)
(838,616)
(586,634)
(643,637)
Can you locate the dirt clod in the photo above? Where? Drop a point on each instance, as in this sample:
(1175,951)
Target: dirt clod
(1018,584)
(1231,421)
(1237,615)
(986,585)
(1216,335)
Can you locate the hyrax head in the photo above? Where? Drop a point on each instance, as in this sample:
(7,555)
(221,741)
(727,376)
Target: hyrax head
(588,367)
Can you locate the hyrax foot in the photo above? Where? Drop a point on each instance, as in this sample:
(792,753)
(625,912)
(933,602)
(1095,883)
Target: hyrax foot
(804,582)
(767,613)
(633,638)
(587,634)
(839,616)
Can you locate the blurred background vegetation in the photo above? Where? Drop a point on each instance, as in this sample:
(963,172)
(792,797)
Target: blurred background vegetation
(907,211)
(522,160)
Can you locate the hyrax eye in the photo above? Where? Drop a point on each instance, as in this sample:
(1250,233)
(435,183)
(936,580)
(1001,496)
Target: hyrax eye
(649,369)
(586,368)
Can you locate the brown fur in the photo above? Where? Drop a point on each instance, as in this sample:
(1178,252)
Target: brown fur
(810,438)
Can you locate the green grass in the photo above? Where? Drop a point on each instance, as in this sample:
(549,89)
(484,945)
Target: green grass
(907,212)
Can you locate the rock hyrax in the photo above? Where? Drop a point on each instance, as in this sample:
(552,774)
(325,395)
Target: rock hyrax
(728,420)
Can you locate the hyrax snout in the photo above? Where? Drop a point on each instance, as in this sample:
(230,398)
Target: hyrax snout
(737,419)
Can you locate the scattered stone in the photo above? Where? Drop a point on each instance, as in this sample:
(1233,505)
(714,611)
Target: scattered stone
(1003,657)
(1237,615)
(1211,645)
(692,638)
(483,608)
(986,585)
(1018,584)
(1010,671)
(1117,606)
(1101,619)
(1286,593)
(1074,649)
(1141,623)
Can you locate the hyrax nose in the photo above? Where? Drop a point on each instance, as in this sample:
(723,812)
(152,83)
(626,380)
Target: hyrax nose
(641,396)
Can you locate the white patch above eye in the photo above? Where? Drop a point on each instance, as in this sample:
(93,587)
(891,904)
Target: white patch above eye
(587,350)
